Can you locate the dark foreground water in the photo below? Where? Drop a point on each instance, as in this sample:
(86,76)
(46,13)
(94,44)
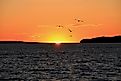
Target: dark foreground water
(67,62)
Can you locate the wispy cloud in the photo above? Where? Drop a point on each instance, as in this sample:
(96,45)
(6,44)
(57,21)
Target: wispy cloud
(70,25)
(45,26)
(87,25)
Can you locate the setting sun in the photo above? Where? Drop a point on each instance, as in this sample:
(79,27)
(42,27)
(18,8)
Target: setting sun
(57,43)
(58,38)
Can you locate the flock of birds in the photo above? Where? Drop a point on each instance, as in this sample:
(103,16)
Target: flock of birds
(77,20)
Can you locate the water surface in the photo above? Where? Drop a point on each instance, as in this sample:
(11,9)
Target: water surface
(65,62)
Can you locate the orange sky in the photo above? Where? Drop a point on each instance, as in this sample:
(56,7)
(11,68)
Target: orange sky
(36,20)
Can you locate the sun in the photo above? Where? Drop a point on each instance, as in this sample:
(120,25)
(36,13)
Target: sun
(57,39)
(58,42)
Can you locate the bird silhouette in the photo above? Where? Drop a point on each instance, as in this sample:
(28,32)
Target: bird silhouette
(78,20)
(69,30)
(60,26)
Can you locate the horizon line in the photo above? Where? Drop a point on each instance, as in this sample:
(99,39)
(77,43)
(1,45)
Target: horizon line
(35,42)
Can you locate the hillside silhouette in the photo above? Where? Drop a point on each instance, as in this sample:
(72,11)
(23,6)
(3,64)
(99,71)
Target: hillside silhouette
(115,39)
(23,42)
(17,42)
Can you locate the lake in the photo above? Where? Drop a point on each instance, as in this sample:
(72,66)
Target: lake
(60,62)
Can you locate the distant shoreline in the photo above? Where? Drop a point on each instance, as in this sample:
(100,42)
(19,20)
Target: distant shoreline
(17,42)
(115,39)
(22,42)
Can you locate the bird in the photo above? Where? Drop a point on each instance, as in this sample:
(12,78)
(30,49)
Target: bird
(69,30)
(60,26)
(78,20)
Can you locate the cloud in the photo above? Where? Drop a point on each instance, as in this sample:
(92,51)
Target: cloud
(37,35)
(45,26)
(84,25)
(42,26)
(76,24)
(68,26)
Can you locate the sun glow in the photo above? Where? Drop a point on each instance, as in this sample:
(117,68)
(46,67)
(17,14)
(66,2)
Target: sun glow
(58,43)
(58,39)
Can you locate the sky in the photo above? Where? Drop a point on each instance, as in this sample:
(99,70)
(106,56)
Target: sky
(37,20)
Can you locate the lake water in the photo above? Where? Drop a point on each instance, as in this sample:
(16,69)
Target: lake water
(64,62)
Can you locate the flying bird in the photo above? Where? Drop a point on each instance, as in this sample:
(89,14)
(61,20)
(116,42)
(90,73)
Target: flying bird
(60,26)
(69,30)
(78,20)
